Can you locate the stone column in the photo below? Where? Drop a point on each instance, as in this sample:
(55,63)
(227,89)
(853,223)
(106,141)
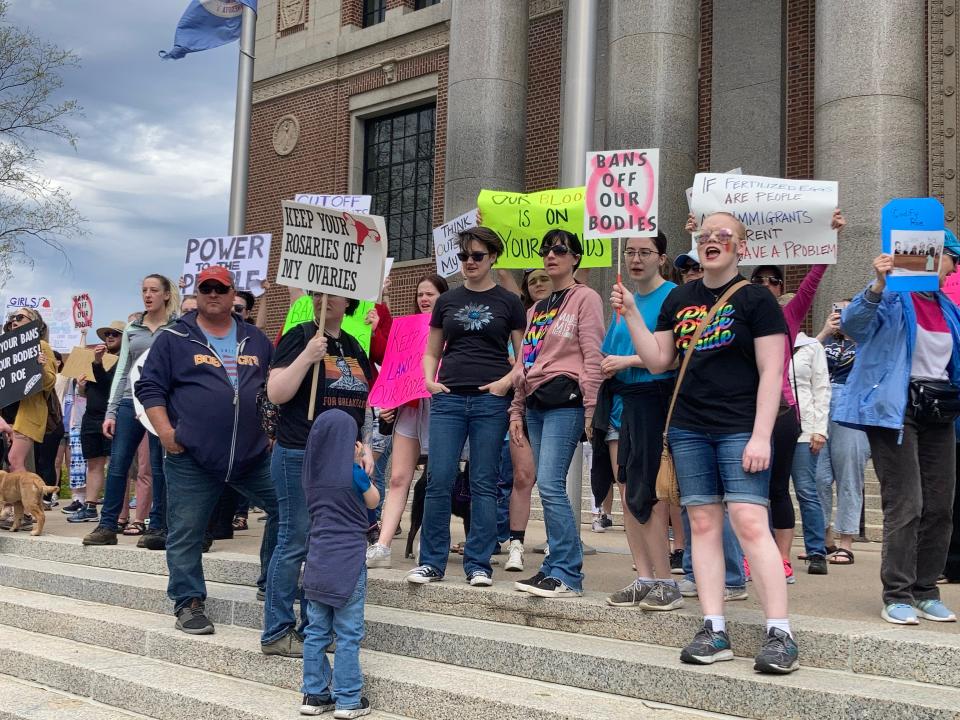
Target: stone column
(487,94)
(652,95)
(869,124)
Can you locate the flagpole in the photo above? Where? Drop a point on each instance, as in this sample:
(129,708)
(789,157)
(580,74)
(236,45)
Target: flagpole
(241,124)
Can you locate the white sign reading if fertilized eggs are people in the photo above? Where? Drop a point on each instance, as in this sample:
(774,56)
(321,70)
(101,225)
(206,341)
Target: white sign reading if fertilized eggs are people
(245,256)
(356,204)
(787,221)
(621,195)
(446,244)
(329,251)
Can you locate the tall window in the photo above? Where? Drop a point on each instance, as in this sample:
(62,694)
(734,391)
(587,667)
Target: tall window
(374,11)
(421,4)
(398,173)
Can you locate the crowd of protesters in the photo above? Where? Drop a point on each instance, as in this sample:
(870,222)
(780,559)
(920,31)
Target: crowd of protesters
(519,375)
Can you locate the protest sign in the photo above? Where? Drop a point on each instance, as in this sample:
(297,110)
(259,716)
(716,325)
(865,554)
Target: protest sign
(787,221)
(79,363)
(357,204)
(62,334)
(300,311)
(330,251)
(34,302)
(911,229)
(401,375)
(355,324)
(20,373)
(522,220)
(621,194)
(245,256)
(952,287)
(446,245)
(82,311)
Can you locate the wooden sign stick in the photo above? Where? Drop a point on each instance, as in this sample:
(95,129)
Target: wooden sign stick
(316,366)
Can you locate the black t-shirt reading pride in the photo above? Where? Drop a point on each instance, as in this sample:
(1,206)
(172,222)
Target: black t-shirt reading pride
(719,391)
(476,328)
(344,383)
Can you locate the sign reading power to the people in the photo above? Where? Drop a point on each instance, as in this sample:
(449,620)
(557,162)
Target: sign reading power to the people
(82,311)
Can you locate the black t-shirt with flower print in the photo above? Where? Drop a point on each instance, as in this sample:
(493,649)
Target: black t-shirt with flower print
(476,329)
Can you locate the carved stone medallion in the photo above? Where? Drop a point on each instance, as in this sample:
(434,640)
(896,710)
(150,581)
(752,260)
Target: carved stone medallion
(285,134)
(292,13)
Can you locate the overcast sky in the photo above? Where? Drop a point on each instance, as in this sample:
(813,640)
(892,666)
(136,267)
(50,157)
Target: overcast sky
(152,165)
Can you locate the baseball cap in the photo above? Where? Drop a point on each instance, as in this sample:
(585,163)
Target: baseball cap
(215,272)
(951,246)
(689,256)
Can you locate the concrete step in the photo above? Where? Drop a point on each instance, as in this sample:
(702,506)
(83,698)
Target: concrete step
(870,649)
(21,700)
(415,687)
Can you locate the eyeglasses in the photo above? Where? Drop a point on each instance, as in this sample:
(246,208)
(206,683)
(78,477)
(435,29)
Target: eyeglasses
(19,317)
(558,250)
(766,280)
(645,254)
(239,308)
(722,235)
(110,334)
(691,270)
(217,288)
(475,256)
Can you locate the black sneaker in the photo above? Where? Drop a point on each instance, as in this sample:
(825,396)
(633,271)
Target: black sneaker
(551,587)
(606,521)
(153,540)
(523,585)
(261,594)
(676,562)
(72,507)
(779,654)
(816,565)
(192,620)
(101,536)
(316,705)
(423,574)
(707,647)
(364,709)
(207,544)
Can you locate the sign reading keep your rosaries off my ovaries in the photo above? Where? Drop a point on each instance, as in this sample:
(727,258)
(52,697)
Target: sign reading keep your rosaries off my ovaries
(522,219)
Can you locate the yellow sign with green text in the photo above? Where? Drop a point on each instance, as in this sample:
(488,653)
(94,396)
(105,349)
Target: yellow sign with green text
(522,220)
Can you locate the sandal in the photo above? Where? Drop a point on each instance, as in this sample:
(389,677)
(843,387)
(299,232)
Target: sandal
(240,523)
(831,549)
(841,556)
(458,548)
(135,528)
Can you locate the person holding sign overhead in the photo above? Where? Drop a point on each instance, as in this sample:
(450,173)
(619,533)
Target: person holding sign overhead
(556,391)
(344,383)
(469,331)
(904,391)
(729,335)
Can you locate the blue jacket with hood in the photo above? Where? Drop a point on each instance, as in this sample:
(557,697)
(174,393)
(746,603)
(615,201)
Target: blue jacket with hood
(217,424)
(885,329)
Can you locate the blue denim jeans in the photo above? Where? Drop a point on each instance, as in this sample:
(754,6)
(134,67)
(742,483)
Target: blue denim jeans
(710,469)
(504,491)
(841,463)
(380,473)
(734,577)
(194,493)
(455,419)
(127,437)
(283,575)
(804,475)
(554,435)
(344,683)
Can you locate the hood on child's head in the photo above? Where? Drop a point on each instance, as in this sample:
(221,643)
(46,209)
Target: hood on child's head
(330,448)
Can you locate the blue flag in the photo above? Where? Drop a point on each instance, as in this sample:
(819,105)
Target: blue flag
(207,24)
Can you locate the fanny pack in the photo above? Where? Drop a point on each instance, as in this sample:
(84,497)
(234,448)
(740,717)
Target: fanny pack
(560,392)
(934,401)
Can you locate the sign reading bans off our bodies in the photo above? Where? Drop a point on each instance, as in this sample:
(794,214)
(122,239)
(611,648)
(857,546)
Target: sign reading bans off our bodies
(330,251)
(621,195)
(245,256)
(20,373)
(788,221)
(522,220)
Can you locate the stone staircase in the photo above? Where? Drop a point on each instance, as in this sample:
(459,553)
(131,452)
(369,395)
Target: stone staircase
(88,632)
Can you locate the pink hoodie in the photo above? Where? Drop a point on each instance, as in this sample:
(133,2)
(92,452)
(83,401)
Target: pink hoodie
(794,312)
(571,347)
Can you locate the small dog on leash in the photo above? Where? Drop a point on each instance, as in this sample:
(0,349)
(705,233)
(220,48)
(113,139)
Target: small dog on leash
(24,490)
(459,503)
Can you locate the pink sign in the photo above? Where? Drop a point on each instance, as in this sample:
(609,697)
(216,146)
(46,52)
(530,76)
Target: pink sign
(621,193)
(401,375)
(952,287)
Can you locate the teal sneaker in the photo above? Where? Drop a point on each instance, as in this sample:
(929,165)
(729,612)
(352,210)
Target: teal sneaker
(707,647)
(935,610)
(900,614)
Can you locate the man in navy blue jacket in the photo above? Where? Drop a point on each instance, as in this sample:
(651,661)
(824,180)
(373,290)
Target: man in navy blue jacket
(199,388)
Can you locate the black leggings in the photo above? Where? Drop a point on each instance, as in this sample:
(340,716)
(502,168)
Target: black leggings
(786,430)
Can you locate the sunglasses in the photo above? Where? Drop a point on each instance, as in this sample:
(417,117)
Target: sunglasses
(217,288)
(17,318)
(766,280)
(558,250)
(723,235)
(475,256)
(110,334)
(239,308)
(691,270)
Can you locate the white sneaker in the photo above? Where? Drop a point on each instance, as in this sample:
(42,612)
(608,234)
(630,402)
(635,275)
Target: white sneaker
(597,525)
(480,578)
(515,560)
(378,556)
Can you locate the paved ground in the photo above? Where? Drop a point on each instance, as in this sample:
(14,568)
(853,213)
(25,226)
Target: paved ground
(851,592)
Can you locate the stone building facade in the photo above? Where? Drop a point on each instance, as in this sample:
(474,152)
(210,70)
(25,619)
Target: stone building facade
(423,102)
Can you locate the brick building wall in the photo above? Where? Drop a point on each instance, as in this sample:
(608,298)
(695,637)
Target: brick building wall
(705,86)
(544,50)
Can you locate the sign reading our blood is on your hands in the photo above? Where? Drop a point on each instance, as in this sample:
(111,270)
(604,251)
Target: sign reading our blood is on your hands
(621,193)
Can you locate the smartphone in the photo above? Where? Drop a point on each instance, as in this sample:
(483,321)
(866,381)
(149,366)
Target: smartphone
(836,308)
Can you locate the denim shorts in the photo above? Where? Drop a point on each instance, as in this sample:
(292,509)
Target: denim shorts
(710,469)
